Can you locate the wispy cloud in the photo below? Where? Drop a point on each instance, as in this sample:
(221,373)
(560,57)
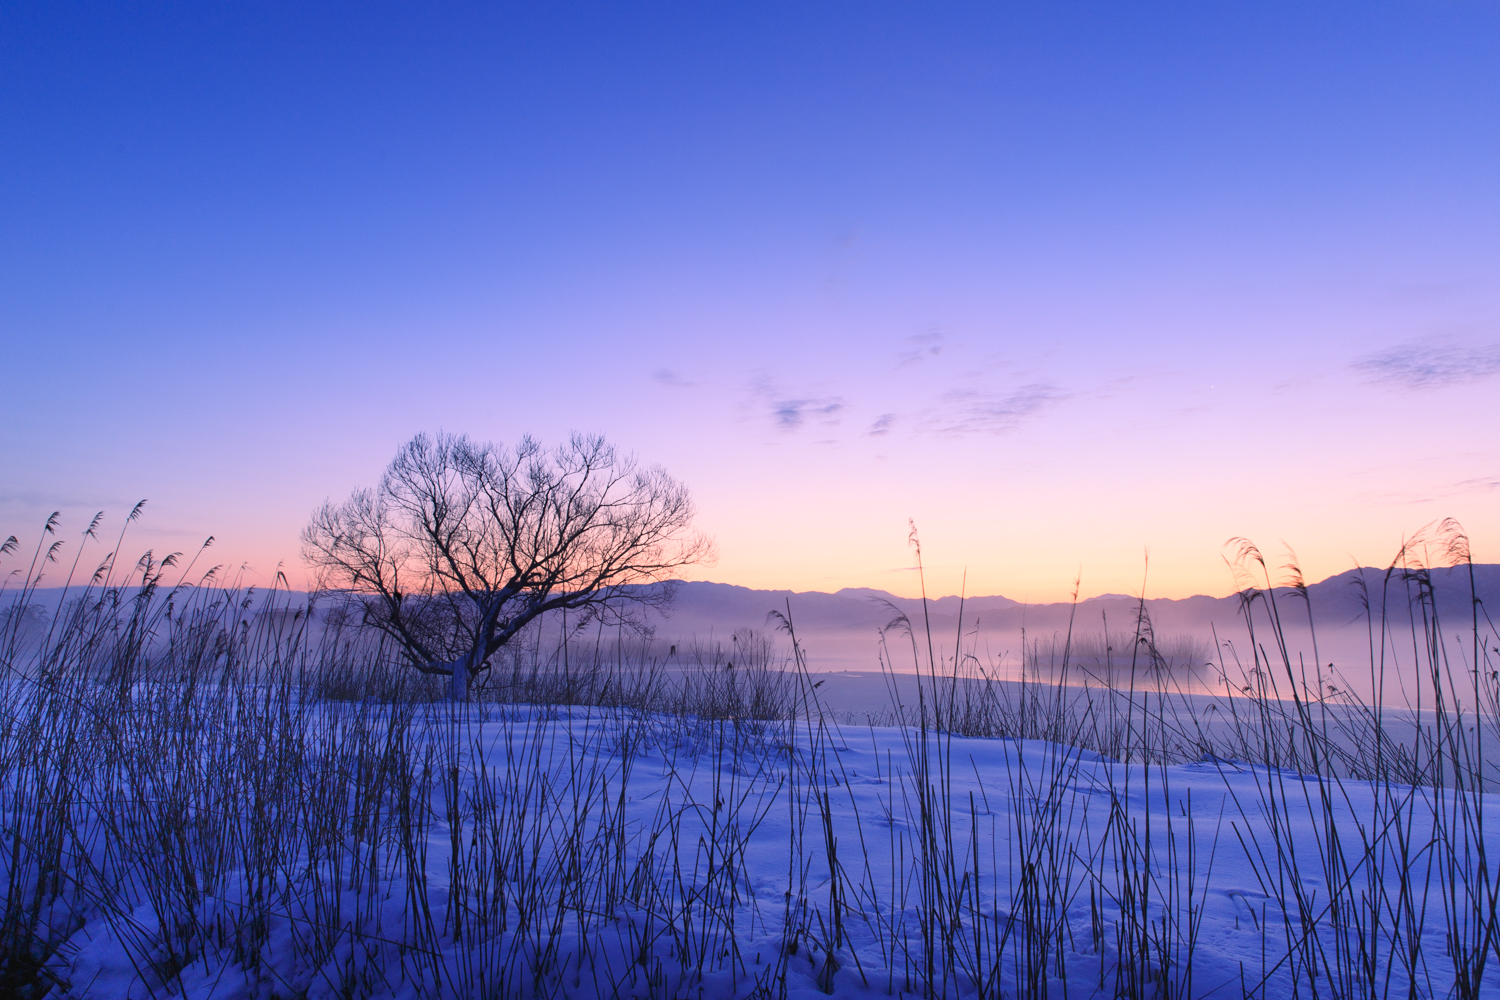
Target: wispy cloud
(1434,494)
(790,414)
(882,425)
(39,504)
(973,411)
(793,409)
(665,376)
(1483,484)
(919,348)
(1421,366)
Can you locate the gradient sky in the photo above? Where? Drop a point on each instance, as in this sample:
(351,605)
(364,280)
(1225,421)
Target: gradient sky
(1063,282)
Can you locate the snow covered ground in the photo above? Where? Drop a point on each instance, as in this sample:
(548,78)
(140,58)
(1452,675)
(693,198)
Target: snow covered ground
(332,850)
(208,801)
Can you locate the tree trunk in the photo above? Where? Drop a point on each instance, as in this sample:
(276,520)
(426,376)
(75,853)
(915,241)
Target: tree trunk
(458,682)
(464,670)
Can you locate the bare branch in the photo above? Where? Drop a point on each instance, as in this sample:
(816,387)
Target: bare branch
(463,544)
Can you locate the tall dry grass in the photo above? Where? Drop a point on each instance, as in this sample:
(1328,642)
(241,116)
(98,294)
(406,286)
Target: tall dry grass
(231,787)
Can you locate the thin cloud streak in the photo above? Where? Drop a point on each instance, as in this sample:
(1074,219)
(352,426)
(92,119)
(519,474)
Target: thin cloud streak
(665,376)
(970,411)
(791,414)
(791,411)
(1419,366)
(922,347)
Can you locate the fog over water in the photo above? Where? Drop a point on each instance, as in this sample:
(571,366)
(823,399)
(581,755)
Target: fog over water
(842,631)
(855,637)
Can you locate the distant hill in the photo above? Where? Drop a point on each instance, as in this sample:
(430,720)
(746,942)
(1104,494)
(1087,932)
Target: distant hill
(1336,602)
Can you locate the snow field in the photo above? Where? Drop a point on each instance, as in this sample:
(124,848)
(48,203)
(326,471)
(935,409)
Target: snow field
(244,842)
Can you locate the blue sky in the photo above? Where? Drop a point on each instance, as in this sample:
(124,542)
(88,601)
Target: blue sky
(1063,283)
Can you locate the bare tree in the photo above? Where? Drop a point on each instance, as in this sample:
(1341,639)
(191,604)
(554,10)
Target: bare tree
(463,544)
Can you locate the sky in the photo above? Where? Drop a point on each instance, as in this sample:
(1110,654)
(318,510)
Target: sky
(1082,290)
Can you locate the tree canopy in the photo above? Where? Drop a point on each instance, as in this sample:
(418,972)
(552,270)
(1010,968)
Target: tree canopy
(463,544)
